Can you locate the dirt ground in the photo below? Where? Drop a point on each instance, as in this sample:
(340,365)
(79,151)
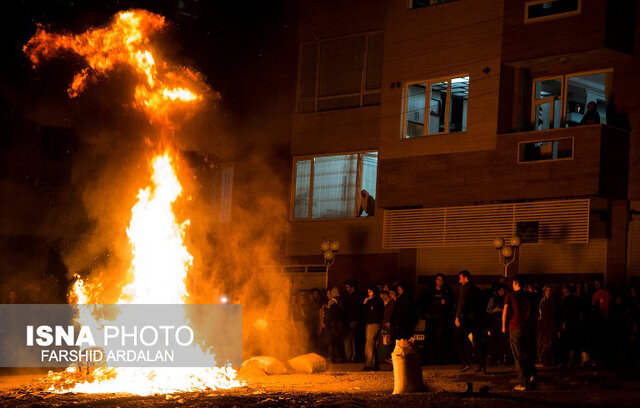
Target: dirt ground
(344,385)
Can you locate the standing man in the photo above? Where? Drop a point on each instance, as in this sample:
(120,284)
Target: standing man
(403,316)
(352,314)
(435,306)
(467,321)
(373,312)
(334,322)
(517,305)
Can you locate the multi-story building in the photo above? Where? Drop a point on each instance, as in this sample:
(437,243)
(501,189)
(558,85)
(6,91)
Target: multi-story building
(467,120)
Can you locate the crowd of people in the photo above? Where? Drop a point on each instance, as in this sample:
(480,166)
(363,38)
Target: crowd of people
(510,322)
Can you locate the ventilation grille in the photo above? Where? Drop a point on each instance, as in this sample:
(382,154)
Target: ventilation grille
(558,221)
(295,269)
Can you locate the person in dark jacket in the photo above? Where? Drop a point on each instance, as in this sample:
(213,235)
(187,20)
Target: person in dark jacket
(403,317)
(498,341)
(435,307)
(467,320)
(591,116)
(373,312)
(385,345)
(352,318)
(570,321)
(546,330)
(334,324)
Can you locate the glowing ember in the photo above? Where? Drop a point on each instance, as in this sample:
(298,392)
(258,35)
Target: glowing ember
(124,42)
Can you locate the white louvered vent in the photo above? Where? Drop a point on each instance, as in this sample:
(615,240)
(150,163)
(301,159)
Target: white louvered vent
(559,221)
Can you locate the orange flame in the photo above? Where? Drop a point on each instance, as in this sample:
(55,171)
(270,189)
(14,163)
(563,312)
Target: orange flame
(162,88)
(161,261)
(159,268)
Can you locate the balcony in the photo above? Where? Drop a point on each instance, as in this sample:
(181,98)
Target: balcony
(595,165)
(567,162)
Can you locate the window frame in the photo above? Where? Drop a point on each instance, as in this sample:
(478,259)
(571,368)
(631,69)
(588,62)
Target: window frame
(431,4)
(363,76)
(428,83)
(553,139)
(535,102)
(358,187)
(528,20)
(563,94)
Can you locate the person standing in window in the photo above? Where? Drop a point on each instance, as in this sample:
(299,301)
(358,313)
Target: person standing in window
(591,117)
(367,204)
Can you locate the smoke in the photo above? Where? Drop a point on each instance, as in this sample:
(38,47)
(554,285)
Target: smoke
(235,260)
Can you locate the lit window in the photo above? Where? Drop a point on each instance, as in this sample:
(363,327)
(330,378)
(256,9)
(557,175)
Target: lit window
(541,10)
(570,100)
(340,73)
(331,186)
(433,107)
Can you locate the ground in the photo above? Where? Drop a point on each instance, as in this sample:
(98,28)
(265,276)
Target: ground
(344,385)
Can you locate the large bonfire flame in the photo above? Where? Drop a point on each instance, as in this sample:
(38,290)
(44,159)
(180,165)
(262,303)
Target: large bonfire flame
(161,261)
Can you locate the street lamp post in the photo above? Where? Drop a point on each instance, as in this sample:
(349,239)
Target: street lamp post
(507,251)
(329,251)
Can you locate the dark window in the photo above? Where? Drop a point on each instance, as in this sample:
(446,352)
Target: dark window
(542,9)
(546,150)
(340,73)
(415,4)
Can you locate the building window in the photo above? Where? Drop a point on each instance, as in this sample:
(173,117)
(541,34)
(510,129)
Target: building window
(340,73)
(415,4)
(544,150)
(330,186)
(542,10)
(434,107)
(570,100)
(226,190)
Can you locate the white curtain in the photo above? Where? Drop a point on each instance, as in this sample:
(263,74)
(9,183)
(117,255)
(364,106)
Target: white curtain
(303,182)
(334,186)
(370,172)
